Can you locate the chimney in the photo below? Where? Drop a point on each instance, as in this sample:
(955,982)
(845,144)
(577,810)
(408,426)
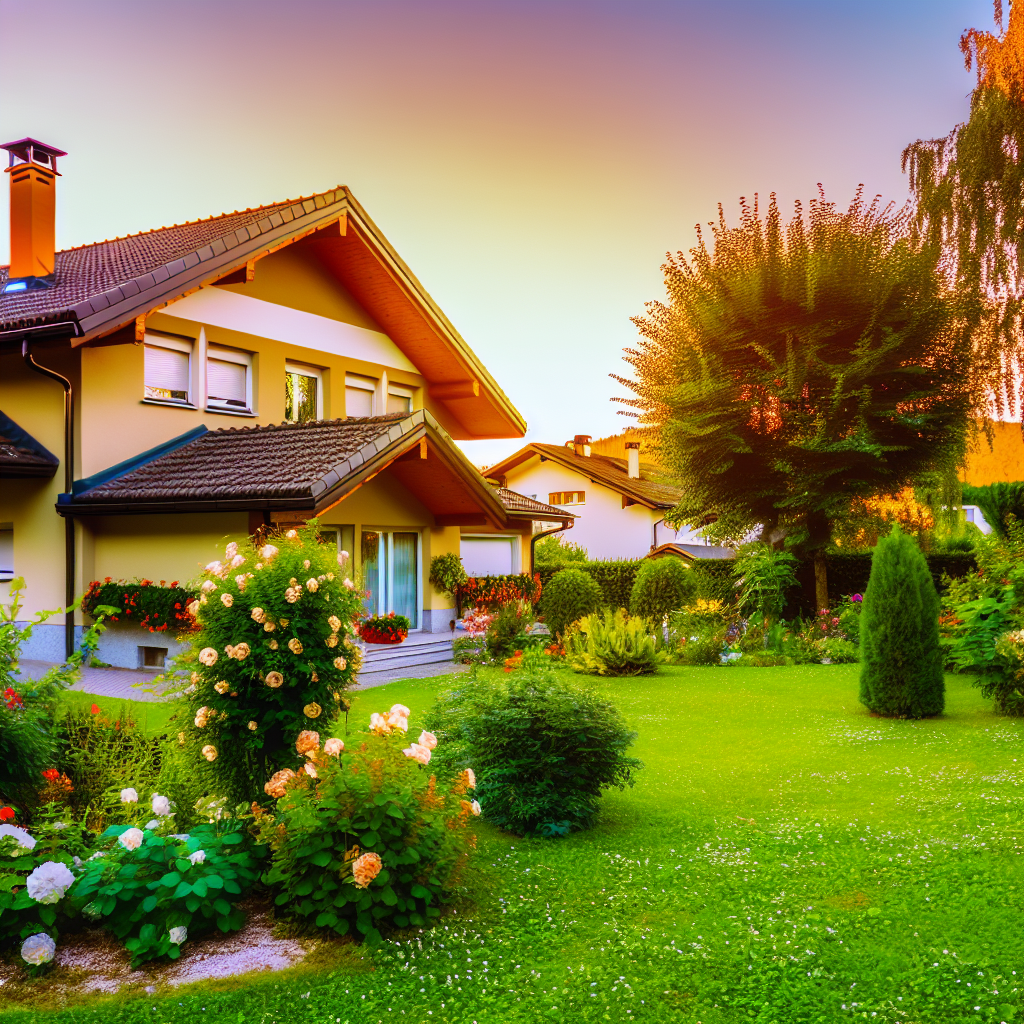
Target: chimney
(581,445)
(33,181)
(633,459)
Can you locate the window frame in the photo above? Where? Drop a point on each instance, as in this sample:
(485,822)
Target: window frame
(305,370)
(5,576)
(402,391)
(225,354)
(579,498)
(171,343)
(360,382)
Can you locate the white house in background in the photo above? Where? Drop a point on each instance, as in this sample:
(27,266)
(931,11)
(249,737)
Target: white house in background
(620,503)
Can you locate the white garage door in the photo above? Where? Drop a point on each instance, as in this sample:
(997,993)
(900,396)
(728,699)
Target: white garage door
(487,556)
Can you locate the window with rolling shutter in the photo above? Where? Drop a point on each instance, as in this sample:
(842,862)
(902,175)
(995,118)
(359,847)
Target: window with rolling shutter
(167,370)
(359,393)
(227,379)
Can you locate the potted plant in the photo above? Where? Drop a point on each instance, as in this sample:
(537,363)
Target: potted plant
(384,629)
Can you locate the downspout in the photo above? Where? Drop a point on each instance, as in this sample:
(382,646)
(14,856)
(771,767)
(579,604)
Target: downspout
(69,477)
(566,525)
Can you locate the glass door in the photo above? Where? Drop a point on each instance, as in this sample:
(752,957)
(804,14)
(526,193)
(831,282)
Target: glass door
(390,565)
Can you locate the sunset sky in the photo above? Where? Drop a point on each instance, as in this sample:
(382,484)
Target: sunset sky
(531,161)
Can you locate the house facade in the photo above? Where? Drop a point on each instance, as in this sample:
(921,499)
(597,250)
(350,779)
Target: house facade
(620,503)
(169,391)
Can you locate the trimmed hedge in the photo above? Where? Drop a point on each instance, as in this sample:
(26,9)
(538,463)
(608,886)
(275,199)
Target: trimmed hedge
(615,579)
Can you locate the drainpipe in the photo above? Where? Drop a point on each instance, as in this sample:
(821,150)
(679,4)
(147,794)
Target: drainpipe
(69,477)
(567,525)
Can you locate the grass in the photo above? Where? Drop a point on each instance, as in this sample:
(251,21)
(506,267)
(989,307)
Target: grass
(784,858)
(151,716)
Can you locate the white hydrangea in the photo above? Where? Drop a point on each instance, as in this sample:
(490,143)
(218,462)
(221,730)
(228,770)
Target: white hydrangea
(198,857)
(38,949)
(129,796)
(178,935)
(161,805)
(49,882)
(24,840)
(131,839)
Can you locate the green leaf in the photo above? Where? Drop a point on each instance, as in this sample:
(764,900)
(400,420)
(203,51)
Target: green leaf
(199,887)
(420,892)
(171,879)
(369,839)
(214,881)
(149,903)
(192,904)
(184,888)
(322,858)
(387,894)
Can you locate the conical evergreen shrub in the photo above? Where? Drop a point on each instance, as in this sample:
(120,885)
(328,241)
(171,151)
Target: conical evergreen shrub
(901,661)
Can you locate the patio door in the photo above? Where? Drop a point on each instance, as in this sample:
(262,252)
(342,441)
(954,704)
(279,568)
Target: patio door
(390,562)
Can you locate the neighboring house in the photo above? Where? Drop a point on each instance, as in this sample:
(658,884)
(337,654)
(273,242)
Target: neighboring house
(228,375)
(620,503)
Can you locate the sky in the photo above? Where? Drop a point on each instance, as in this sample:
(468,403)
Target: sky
(531,161)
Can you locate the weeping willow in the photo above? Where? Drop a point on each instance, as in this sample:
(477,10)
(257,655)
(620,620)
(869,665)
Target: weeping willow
(794,368)
(969,188)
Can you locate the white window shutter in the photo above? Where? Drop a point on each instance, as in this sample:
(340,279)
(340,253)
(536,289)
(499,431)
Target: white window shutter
(225,382)
(166,369)
(358,402)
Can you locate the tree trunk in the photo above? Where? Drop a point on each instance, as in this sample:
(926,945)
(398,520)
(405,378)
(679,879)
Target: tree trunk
(820,579)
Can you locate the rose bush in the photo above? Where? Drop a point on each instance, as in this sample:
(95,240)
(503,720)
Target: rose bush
(365,837)
(273,654)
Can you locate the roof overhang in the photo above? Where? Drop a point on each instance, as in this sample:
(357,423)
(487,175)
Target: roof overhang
(21,455)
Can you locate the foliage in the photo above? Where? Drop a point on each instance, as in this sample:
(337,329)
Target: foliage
(156,607)
(836,651)
(849,617)
(612,644)
(1006,686)
(27,706)
(662,586)
(142,894)
(273,655)
(873,516)
(997,501)
(569,596)
(369,839)
(784,367)
(556,552)
(543,750)
(763,575)
(508,627)
(491,592)
(447,573)
(901,670)
(713,578)
(384,629)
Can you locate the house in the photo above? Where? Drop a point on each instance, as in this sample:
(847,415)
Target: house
(166,392)
(620,502)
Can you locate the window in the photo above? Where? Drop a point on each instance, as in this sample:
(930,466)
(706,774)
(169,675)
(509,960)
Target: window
(168,369)
(399,398)
(567,498)
(6,551)
(228,380)
(303,388)
(344,539)
(359,395)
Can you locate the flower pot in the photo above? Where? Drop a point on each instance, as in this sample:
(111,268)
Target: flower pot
(382,638)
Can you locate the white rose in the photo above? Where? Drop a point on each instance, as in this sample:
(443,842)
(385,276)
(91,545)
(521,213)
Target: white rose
(161,805)
(231,550)
(38,949)
(49,882)
(208,587)
(208,656)
(178,935)
(198,857)
(131,839)
(129,796)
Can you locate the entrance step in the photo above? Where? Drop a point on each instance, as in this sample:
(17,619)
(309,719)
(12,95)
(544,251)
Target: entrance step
(429,650)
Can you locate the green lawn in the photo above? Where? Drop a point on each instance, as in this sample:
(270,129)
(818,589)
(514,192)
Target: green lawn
(784,857)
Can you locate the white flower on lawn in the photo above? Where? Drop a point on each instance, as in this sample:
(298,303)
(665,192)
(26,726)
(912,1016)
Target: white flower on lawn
(198,857)
(161,805)
(131,839)
(129,796)
(38,949)
(178,935)
(49,882)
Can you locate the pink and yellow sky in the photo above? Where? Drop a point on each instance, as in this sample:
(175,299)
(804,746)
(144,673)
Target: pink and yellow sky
(531,161)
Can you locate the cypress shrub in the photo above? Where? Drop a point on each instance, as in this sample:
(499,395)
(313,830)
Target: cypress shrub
(662,585)
(571,594)
(901,660)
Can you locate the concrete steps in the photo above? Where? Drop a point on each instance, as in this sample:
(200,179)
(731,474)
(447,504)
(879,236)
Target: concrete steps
(418,649)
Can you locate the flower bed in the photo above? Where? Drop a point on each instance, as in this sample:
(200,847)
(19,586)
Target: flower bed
(153,606)
(384,629)
(492,592)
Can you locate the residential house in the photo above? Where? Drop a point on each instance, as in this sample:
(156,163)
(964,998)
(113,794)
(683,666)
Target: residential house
(165,392)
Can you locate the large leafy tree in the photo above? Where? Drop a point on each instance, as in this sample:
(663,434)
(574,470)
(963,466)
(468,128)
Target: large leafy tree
(796,368)
(969,188)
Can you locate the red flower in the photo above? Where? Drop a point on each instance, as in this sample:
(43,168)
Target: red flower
(6,813)
(51,774)
(94,710)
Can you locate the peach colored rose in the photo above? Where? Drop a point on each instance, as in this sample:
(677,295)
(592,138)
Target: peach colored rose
(428,740)
(267,552)
(210,752)
(253,726)
(292,535)
(227,600)
(257,615)
(273,645)
(334,746)
(312,710)
(221,687)
(295,645)
(241,651)
(275,787)
(340,664)
(335,623)
(470,778)
(400,709)
(312,586)
(208,656)
(231,550)
(236,561)
(274,680)
(332,641)
(310,770)
(365,869)
(418,753)
(307,742)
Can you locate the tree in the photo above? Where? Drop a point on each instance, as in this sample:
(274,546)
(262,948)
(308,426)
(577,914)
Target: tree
(970,200)
(901,660)
(795,369)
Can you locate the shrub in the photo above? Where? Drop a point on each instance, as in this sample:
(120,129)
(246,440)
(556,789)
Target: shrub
(702,648)
(763,575)
(447,574)
(1006,685)
(153,892)
(508,627)
(543,749)
(901,672)
(369,838)
(272,656)
(492,592)
(662,586)
(555,552)
(611,644)
(569,596)
(837,652)
(156,607)
(997,501)
(713,579)
(615,578)
(384,629)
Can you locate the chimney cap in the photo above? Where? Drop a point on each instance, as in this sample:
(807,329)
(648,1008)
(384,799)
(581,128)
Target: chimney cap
(581,439)
(633,444)
(32,151)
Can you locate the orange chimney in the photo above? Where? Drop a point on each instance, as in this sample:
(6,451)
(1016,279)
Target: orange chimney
(581,444)
(33,171)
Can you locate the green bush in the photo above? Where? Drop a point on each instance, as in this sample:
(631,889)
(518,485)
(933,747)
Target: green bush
(702,648)
(507,629)
(713,579)
(447,574)
(997,501)
(901,672)
(837,651)
(1006,685)
(555,552)
(569,596)
(543,750)
(273,654)
(374,840)
(763,575)
(615,578)
(662,586)
(153,892)
(612,644)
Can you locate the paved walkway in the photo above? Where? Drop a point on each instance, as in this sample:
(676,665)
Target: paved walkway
(132,684)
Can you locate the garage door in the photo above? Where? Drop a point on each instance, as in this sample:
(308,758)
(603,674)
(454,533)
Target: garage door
(487,556)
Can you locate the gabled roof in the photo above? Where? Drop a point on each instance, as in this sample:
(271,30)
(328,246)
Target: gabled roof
(601,469)
(21,454)
(523,507)
(103,287)
(298,467)
(689,552)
